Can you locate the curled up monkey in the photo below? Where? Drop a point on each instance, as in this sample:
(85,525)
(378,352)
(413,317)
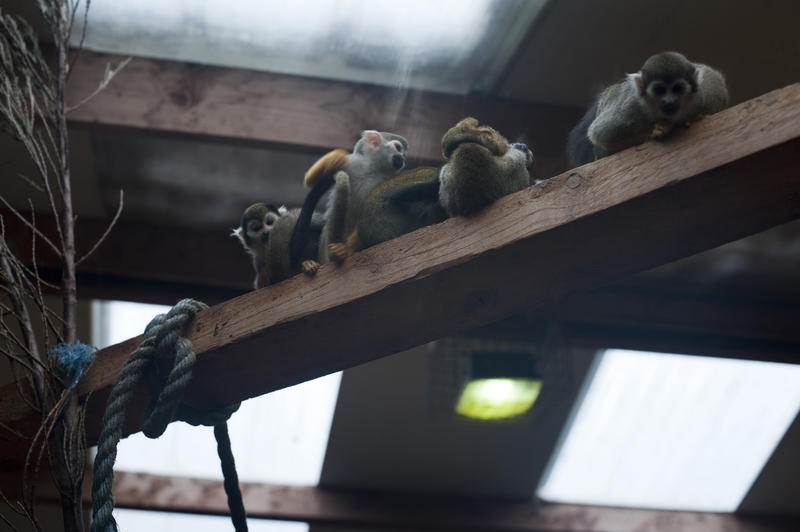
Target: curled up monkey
(668,92)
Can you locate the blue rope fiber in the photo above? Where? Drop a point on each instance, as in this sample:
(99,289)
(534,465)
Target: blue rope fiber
(71,360)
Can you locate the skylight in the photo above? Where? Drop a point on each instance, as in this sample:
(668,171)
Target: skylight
(446,45)
(673,432)
(277,438)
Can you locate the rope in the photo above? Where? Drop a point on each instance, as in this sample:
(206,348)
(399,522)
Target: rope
(231,479)
(165,360)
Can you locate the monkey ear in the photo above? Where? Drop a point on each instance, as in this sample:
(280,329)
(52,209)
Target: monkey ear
(638,81)
(372,138)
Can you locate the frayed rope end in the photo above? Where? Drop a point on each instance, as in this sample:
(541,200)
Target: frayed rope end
(72,359)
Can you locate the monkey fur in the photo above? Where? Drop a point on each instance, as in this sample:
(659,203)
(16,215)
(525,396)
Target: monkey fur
(375,157)
(669,91)
(265,233)
(481,167)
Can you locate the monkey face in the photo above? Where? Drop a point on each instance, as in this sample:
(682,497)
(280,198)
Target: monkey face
(387,150)
(669,99)
(529,160)
(397,152)
(257,222)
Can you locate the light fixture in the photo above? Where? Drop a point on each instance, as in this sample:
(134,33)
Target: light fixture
(500,386)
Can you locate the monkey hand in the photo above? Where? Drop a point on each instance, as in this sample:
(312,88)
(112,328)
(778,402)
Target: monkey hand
(309,267)
(338,252)
(660,130)
(469,130)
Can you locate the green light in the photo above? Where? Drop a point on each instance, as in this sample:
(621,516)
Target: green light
(498,398)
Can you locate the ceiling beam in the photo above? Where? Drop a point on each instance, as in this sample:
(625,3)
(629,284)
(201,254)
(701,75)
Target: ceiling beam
(298,112)
(383,511)
(729,176)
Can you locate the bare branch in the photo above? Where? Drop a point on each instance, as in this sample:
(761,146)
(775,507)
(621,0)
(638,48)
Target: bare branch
(31,182)
(83,34)
(105,234)
(12,430)
(108,76)
(32,227)
(16,358)
(20,311)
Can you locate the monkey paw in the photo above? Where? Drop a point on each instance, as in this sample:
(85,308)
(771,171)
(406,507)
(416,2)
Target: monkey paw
(469,130)
(659,131)
(338,252)
(309,267)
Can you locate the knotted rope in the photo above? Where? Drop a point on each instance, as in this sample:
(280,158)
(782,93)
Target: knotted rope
(165,360)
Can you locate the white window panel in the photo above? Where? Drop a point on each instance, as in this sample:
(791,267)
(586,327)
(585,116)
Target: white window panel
(673,432)
(277,438)
(445,45)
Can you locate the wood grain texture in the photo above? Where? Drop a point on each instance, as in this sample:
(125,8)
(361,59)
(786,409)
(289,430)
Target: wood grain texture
(417,512)
(300,112)
(729,176)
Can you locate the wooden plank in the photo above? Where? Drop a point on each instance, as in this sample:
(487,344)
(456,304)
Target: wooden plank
(729,176)
(653,315)
(417,511)
(298,112)
(645,313)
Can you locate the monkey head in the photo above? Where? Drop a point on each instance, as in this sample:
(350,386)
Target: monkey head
(482,166)
(385,151)
(257,222)
(667,83)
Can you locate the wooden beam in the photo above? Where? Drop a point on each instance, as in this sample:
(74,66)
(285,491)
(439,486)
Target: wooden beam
(417,511)
(298,112)
(730,175)
(650,314)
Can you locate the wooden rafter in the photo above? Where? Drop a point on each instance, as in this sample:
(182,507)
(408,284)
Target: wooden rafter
(385,511)
(298,112)
(729,176)
(646,313)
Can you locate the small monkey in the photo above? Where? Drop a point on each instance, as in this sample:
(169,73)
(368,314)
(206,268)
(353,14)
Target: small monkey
(481,167)
(265,233)
(375,157)
(669,91)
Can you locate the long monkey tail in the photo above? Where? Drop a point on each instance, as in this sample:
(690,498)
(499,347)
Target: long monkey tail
(326,166)
(320,178)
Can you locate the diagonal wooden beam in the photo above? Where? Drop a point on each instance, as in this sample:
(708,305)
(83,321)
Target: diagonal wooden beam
(730,175)
(299,112)
(383,511)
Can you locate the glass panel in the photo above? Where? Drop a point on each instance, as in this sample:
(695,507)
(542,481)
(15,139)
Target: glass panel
(673,432)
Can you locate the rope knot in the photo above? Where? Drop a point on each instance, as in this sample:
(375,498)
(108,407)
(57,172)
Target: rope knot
(165,360)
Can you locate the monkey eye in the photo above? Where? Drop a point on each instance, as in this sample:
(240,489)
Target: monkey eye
(677,88)
(253,226)
(660,90)
(398,146)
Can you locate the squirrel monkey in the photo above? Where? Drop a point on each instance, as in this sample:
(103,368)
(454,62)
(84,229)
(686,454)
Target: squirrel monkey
(668,91)
(265,232)
(481,167)
(375,157)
